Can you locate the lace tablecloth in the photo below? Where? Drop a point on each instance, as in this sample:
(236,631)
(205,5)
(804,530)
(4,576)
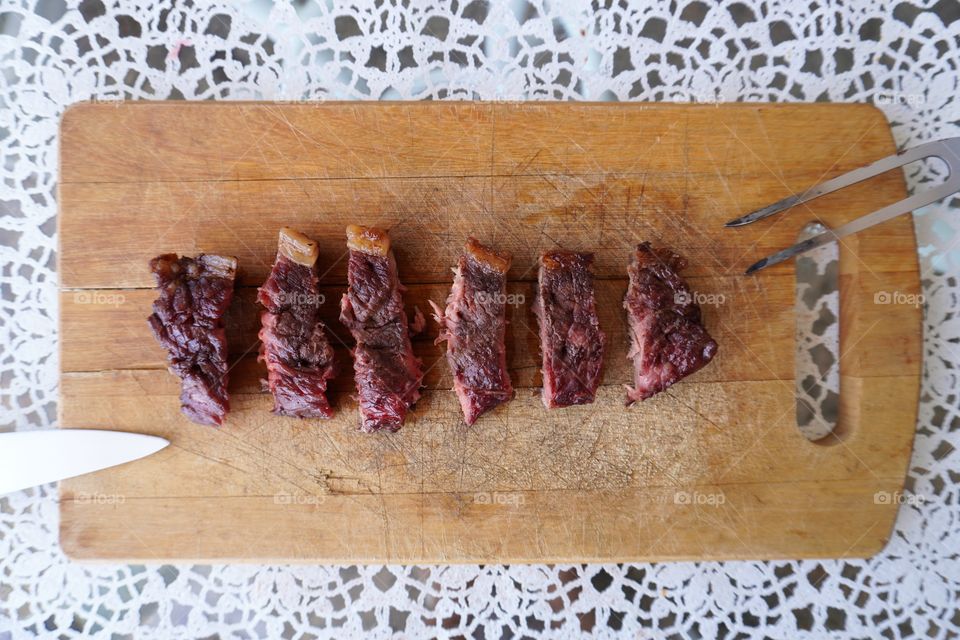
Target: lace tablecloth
(905,59)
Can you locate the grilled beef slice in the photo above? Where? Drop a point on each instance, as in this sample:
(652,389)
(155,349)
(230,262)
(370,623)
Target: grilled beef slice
(187,321)
(293,342)
(668,339)
(474,327)
(387,375)
(570,337)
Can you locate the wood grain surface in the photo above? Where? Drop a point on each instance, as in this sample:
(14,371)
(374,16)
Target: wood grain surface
(714,468)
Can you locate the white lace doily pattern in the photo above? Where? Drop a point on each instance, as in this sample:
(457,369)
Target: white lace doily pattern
(903,56)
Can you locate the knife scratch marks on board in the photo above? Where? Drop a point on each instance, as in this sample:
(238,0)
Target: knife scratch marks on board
(296,133)
(726,186)
(746,290)
(514,229)
(449,148)
(282,183)
(552,184)
(741,285)
(299,133)
(333,445)
(603,211)
(243,446)
(135,376)
(693,410)
(519,168)
(200,454)
(266,469)
(776,156)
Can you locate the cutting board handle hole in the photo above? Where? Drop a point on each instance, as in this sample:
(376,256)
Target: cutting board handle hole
(817,362)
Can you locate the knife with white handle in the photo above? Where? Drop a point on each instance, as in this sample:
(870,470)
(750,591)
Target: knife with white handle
(29,458)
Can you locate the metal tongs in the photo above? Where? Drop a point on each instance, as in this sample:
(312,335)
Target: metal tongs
(947,150)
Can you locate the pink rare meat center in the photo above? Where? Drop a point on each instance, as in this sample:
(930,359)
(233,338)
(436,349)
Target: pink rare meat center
(473,324)
(669,341)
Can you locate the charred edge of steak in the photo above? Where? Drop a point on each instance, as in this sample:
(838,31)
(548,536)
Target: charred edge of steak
(187,321)
(297,247)
(570,337)
(474,327)
(368,240)
(293,340)
(387,375)
(487,257)
(668,339)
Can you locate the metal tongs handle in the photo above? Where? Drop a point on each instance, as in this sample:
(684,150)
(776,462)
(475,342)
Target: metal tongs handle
(947,150)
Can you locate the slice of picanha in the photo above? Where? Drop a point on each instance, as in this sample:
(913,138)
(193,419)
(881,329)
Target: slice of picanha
(187,320)
(668,339)
(570,337)
(293,340)
(474,328)
(387,375)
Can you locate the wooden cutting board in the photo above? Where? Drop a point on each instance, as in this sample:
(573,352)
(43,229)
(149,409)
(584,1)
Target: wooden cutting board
(714,468)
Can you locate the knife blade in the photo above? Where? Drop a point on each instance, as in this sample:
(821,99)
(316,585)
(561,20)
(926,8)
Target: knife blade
(29,458)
